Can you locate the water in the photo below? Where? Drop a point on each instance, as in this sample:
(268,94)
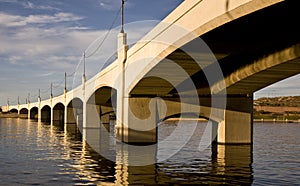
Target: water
(33,153)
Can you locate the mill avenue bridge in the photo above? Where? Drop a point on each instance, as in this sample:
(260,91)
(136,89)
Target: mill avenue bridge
(254,43)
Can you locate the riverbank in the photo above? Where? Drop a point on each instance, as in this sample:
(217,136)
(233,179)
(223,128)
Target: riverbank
(275,121)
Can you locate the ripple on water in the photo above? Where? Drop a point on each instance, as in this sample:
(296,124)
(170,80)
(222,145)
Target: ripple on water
(36,154)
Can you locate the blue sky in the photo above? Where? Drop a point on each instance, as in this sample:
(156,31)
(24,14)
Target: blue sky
(42,39)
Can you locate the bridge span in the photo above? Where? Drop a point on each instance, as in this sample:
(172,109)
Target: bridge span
(205,59)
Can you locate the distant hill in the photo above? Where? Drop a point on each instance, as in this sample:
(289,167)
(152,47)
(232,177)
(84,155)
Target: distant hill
(287,101)
(277,108)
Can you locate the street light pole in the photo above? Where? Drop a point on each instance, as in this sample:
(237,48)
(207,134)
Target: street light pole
(65,82)
(122,17)
(51,94)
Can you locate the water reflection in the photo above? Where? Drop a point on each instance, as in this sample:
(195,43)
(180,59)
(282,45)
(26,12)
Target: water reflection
(89,165)
(36,153)
(233,163)
(52,154)
(217,164)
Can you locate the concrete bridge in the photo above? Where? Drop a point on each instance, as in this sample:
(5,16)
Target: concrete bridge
(205,59)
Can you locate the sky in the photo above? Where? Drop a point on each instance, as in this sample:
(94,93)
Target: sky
(40,40)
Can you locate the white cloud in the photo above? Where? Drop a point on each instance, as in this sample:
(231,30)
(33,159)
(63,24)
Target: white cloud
(8,20)
(14,59)
(45,74)
(110,4)
(61,47)
(54,49)
(9,1)
(113,4)
(40,7)
(30,5)
(23,43)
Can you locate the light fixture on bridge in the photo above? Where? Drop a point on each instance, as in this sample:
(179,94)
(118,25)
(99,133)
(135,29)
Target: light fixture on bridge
(51,94)
(84,56)
(122,17)
(65,89)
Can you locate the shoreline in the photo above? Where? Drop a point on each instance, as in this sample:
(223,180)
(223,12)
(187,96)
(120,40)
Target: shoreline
(15,115)
(275,121)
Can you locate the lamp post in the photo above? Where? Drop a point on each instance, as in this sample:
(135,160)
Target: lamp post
(65,89)
(39,97)
(122,17)
(51,94)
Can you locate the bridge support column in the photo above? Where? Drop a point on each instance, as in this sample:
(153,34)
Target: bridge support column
(58,116)
(71,120)
(91,125)
(28,114)
(140,119)
(70,115)
(92,113)
(95,133)
(51,116)
(121,107)
(39,114)
(237,126)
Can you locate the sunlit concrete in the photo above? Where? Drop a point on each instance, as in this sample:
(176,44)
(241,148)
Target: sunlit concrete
(144,84)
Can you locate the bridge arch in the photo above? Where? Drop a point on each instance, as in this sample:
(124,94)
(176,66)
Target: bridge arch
(59,114)
(184,115)
(154,60)
(215,15)
(34,111)
(240,54)
(100,107)
(14,110)
(264,71)
(23,113)
(46,113)
(74,114)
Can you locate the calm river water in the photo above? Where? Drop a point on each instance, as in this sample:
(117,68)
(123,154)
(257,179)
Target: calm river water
(33,153)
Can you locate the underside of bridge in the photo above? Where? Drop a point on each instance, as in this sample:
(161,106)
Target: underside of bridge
(23,113)
(46,114)
(236,45)
(13,111)
(239,43)
(252,52)
(101,107)
(34,113)
(58,117)
(74,115)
